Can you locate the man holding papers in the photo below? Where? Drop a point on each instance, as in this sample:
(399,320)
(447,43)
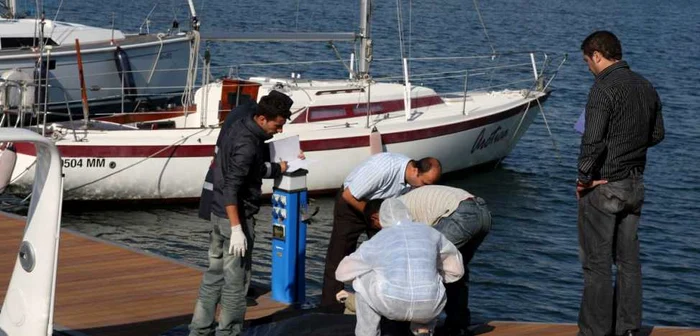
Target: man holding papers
(240,163)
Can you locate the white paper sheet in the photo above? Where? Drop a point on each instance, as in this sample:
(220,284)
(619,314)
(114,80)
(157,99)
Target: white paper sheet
(286,149)
(297,164)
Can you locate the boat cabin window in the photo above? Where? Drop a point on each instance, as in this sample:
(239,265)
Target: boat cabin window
(22,42)
(324,113)
(236,99)
(362,109)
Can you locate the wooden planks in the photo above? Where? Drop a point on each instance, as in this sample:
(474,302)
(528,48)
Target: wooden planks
(105,289)
(499,328)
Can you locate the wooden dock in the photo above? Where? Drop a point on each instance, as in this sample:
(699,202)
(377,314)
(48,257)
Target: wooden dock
(498,328)
(106,289)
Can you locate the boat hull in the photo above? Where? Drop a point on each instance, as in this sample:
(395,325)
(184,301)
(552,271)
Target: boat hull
(162,169)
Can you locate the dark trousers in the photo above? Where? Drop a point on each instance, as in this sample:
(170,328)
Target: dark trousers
(607,225)
(348,225)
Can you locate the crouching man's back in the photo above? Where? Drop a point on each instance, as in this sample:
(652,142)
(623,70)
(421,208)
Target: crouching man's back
(399,273)
(406,272)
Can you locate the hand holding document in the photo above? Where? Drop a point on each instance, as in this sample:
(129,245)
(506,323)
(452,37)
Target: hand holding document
(297,164)
(288,149)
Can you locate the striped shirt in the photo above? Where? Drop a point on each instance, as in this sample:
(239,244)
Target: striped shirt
(428,204)
(383,175)
(623,119)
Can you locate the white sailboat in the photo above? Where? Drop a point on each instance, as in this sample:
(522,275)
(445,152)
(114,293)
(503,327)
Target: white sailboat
(123,71)
(334,120)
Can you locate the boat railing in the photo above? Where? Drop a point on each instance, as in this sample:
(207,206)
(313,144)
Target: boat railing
(511,70)
(522,64)
(508,70)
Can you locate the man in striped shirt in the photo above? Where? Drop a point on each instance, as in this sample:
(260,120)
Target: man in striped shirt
(622,120)
(383,175)
(464,220)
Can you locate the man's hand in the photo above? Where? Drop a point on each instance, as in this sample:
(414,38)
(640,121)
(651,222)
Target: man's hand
(237,243)
(301,155)
(352,201)
(582,187)
(374,222)
(342,296)
(284,166)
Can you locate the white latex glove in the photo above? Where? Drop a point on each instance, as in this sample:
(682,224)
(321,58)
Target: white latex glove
(237,243)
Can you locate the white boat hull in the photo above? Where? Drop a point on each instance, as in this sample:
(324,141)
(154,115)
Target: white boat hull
(152,170)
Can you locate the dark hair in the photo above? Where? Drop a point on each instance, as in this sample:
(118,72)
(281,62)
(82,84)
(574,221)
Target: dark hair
(425,164)
(372,208)
(274,105)
(604,42)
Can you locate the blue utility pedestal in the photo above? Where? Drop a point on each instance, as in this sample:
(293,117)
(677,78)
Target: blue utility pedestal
(289,197)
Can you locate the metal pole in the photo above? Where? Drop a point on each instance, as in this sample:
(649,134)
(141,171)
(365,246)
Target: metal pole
(365,40)
(352,64)
(193,13)
(369,84)
(46,83)
(13,9)
(112,38)
(464,100)
(407,91)
(534,65)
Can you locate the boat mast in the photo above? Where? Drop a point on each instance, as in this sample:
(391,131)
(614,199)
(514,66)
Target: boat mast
(365,41)
(193,13)
(12,4)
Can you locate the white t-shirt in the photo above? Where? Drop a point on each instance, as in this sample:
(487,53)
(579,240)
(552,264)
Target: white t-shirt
(428,204)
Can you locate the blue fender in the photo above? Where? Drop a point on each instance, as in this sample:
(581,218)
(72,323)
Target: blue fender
(121,60)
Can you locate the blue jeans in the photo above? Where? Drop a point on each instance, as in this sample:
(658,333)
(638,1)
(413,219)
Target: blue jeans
(225,282)
(608,220)
(466,228)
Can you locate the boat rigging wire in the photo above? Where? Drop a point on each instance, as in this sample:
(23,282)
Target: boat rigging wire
(483,25)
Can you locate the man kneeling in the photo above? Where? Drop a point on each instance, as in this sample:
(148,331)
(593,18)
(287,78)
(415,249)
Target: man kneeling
(399,273)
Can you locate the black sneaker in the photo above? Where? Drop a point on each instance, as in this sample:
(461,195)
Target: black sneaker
(250,302)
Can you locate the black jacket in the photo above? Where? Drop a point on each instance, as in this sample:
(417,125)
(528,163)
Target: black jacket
(240,163)
(623,119)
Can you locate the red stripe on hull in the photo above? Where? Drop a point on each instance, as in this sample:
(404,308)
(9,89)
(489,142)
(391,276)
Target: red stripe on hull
(136,117)
(124,151)
(307,146)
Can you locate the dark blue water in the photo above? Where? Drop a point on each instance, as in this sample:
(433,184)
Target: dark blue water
(527,269)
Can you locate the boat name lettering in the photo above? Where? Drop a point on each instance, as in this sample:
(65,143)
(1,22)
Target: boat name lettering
(88,163)
(482,142)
